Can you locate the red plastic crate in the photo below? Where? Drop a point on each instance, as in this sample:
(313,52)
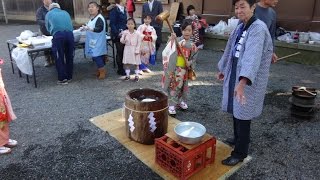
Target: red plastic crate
(181,161)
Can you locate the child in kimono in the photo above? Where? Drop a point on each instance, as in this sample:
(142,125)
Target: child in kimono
(131,54)
(198,24)
(175,79)
(6,116)
(148,44)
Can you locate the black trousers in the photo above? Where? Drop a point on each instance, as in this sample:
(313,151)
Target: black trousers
(241,130)
(119,56)
(159,38)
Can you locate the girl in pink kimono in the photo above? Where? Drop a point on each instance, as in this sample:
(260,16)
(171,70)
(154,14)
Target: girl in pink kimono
(131,54)
(6,116)
(148,44)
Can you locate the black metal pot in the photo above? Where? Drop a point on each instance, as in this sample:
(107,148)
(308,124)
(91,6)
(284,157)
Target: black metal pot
(303,98)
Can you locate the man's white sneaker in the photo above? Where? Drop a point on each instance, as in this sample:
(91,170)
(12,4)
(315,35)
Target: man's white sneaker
(183,105)
(63,82)
(172,110)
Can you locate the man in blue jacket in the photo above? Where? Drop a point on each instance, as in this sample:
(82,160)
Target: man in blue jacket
(118,23)
(59,24)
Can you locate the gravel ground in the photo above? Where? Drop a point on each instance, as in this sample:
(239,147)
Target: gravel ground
(58,142)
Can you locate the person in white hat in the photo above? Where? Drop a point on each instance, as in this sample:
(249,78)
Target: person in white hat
(59,24)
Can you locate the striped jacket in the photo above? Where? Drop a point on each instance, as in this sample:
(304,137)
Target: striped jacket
(254,63)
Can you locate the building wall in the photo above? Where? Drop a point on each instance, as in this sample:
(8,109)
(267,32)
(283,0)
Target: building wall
(26,9)
(295,15)
(22,9)
(81,14)
(292,14)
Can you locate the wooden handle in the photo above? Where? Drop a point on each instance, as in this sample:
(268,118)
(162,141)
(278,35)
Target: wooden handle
(177,43)
(284,57)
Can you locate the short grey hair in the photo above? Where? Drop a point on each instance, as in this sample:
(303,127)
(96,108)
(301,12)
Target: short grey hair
(54,5)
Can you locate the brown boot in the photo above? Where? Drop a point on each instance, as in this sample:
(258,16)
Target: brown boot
(106,59)
(102,73)
(97,73)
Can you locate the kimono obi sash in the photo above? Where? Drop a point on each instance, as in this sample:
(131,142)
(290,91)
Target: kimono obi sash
(181,62)
(149,39)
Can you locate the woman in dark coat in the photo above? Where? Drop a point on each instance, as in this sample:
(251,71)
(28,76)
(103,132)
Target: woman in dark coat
(118,23)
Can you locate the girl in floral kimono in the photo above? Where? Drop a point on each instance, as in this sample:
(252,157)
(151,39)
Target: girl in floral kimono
(148,44)
(6,115)
(175,80)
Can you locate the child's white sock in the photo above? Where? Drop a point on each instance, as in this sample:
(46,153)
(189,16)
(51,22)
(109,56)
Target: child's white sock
(137,72)
(128,72)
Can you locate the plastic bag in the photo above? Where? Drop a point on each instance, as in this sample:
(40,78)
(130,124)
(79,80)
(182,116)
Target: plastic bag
(20,55)
(232,25)
(286,38)
(314,36)
(26,34)
(220,28)
(304,37)
(77,35)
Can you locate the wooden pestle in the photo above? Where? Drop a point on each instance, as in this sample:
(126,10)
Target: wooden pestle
(164,17)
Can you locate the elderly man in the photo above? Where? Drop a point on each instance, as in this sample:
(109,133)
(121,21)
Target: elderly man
(264,11)
(58,23)
(41,15)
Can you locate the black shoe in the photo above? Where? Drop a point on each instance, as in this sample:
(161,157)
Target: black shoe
(127,78)
(136,79)
(231,161)
(230,141)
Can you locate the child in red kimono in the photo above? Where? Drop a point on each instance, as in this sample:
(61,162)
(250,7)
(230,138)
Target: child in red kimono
(148,43)
(6,116)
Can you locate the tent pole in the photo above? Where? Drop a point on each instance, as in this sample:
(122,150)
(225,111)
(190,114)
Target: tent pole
(4,11)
